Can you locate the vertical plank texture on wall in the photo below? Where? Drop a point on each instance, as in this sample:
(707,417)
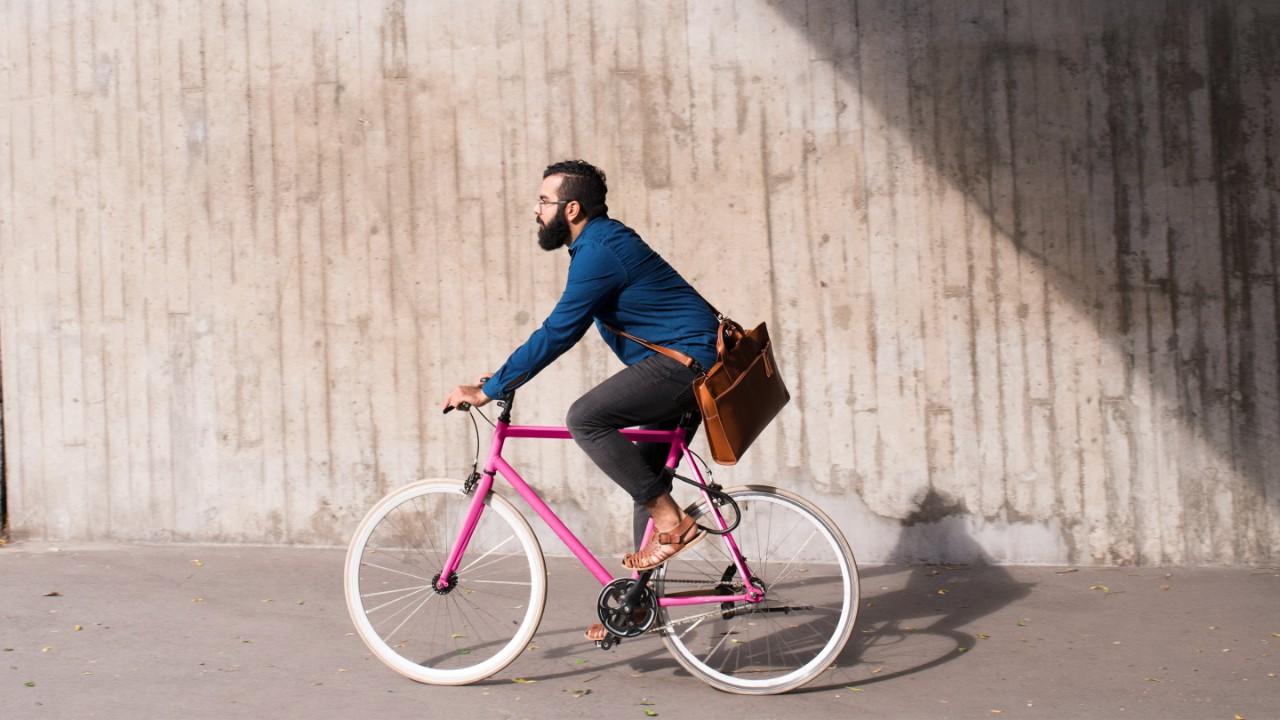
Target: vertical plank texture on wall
(1020,259)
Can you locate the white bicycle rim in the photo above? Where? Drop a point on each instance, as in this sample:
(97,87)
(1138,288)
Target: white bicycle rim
(832,536)
(384,652)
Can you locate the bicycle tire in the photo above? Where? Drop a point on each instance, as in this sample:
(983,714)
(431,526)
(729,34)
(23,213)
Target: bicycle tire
(408,532)
(748,649)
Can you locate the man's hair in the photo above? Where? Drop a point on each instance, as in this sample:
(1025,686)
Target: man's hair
(583,182)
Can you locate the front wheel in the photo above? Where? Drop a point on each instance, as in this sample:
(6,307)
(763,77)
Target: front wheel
(810,579)
(485,618)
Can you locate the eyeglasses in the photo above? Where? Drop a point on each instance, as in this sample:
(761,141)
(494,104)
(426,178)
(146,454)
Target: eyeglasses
(542,202)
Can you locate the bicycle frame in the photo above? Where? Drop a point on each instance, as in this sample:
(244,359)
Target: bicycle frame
(496,464)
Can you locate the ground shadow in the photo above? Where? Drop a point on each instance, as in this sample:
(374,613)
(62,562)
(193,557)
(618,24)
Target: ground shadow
(936,602)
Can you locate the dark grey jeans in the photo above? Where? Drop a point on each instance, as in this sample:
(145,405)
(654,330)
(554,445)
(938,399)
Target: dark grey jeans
(654,394)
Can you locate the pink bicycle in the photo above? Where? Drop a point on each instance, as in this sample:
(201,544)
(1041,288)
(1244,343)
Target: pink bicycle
(446,581)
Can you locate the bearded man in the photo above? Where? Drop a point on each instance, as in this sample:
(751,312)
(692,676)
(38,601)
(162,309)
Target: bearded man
(615,281)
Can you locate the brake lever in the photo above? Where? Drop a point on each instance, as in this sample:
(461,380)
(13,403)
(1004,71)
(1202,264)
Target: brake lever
(464,406)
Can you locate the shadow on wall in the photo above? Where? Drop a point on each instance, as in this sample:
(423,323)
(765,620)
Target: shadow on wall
(1126,151)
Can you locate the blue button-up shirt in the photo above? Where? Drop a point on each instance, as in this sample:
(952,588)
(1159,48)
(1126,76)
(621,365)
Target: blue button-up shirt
(615,279)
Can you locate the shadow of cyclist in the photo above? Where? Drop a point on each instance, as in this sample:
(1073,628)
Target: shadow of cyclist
(917,616)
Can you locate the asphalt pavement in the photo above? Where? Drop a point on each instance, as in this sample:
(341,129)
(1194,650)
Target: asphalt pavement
(180,631)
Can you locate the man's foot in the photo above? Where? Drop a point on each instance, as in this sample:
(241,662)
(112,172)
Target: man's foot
(596,633)
(662,546)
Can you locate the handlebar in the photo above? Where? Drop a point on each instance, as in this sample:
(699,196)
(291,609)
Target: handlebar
(505,402)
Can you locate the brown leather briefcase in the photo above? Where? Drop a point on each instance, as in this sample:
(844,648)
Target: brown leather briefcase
(740,394)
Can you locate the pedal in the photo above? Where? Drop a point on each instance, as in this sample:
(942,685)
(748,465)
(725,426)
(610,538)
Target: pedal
(608,642)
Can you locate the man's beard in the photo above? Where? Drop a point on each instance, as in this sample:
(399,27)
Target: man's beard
(555,234)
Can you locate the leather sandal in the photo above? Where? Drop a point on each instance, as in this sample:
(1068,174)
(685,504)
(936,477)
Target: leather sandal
(664,545)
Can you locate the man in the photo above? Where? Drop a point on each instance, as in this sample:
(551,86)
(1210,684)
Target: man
(615,279)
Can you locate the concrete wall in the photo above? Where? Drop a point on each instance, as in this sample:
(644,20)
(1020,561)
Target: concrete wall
(1020,257)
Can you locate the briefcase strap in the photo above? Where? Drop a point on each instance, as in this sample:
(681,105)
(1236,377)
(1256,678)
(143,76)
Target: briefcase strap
(676,355)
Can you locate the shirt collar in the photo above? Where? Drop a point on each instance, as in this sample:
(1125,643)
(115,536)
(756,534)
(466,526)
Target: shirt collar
(587,233)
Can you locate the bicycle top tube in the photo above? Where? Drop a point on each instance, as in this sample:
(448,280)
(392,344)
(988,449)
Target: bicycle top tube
(505,429)
(498,465)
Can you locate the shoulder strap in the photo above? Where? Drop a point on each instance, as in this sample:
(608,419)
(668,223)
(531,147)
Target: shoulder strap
(676,355)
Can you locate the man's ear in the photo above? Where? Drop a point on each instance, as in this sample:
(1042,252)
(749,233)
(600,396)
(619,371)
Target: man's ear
(573,211)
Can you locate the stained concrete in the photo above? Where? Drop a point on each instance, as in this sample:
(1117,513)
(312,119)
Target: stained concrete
(220,632)
(1022,256)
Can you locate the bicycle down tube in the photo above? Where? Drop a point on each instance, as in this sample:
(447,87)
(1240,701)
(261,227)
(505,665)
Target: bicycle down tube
(496,464)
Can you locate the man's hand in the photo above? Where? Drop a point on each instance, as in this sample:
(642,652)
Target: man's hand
(465,396)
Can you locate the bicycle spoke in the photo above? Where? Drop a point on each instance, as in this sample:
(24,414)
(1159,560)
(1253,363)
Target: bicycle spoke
(425,600)
(790,636)
(398,572)
(475,628)
(388,592)
(787,567)
(406,596)
(487,554)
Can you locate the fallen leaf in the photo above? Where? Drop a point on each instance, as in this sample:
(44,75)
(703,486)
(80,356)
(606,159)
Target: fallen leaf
(877,671)
(996,712)
(942,591)
(983,636)
(1064,572)
(1164,587)
(302,602)
(1024,622)
(455,636)
(8,649)
(650,713)
(198,563)
(851,688)
(962,649)
(55,593)
(579,661)
(197,599)
(46,648)
(266,600)
(579,692)
(1151,679)
(1275,634)
(1239,716)
(645,701)
(77,628)
(1100,586)
(30,683)
(463,651)
(524,681)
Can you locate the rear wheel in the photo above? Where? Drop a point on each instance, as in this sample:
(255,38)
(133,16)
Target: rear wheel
(476,627)
(810,579)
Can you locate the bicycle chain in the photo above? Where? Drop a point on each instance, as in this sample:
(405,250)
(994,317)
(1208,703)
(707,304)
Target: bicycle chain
(750,607)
